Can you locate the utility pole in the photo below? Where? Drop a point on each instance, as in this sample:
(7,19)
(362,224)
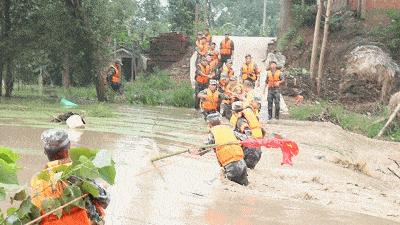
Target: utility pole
(317,29)
(323,48)
(264,18)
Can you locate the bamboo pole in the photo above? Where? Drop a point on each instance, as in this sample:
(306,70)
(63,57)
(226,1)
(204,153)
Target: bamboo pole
(204,147)
(391,118)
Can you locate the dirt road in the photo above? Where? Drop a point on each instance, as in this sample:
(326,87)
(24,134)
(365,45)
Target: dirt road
(338,178)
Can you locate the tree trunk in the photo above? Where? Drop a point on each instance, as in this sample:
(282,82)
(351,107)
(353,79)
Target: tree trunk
(285,17)
(9,79)
(1,77)
(101,86)
(66,77)
(323,47)
(264,18)
(313,62)
(359,8)
(196,13)
(303,2)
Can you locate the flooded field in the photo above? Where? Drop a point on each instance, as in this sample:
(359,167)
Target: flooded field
(338,178)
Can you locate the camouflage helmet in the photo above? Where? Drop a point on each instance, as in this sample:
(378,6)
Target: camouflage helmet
(213,117)
(55,139)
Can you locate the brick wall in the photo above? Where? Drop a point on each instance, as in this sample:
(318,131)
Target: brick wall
(374,4)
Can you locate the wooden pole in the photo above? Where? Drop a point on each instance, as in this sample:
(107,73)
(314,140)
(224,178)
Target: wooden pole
(391,118)
(317,29)
(323,47)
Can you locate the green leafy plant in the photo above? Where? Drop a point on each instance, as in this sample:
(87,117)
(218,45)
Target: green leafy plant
(87,165)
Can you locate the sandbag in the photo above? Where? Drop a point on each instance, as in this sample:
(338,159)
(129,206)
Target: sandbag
(75,121)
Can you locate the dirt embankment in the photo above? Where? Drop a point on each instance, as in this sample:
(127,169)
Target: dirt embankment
(345,37)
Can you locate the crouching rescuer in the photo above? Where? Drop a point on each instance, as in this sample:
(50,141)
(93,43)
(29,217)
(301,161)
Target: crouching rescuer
(56,148)
(230,155)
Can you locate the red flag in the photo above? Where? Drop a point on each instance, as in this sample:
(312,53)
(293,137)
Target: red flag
(289,148)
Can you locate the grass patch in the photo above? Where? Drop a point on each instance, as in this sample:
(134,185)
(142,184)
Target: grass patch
(368,125)
(159,88)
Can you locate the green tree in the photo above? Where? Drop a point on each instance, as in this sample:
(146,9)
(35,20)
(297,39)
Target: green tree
(182,15)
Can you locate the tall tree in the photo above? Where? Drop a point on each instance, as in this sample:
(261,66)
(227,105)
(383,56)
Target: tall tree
(323,47)
(313,62)
(182,15)
(285,17)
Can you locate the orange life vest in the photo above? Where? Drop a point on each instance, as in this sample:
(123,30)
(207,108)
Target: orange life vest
(228,71)
(249,72)
(211,101)
(42,189)
(227,153)
(254,123)
(226,47)
(203,49)
(273,78)
(205,70)
(116,77)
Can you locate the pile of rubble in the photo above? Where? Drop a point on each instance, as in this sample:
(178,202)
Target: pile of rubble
(166,49)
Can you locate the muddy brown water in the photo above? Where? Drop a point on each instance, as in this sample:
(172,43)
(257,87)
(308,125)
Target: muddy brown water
(321,188)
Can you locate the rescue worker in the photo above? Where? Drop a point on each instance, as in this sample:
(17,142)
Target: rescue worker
(222,88)
(208,36)
(256,106)
(114,76)
(250,71)
(246,123)
(213,65)
(273,82)
(227,49)
(210,98)
(230,157)
(203,74)
(202,49)
(227,69)
(198,39)
(56,148)
(248,87)
(213,52)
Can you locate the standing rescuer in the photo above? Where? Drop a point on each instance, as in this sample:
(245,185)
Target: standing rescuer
(114,76)
(56,148)
(226,49)
(230,157)
(250,71)
(273,82)
(203,74)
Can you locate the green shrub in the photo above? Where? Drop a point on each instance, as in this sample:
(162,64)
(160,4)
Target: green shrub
(336,23)
(299,42)
(284,41)
(391,33)
(159,89)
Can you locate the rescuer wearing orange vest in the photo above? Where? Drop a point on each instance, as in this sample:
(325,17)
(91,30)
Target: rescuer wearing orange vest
(250,70)
(114,76)
(248,125)
(227,69)
(230,157)
(213,52)
(202,48)
(210,99)
(274,80)
(226,49)
(56,147)
(208,36)
(203,75)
